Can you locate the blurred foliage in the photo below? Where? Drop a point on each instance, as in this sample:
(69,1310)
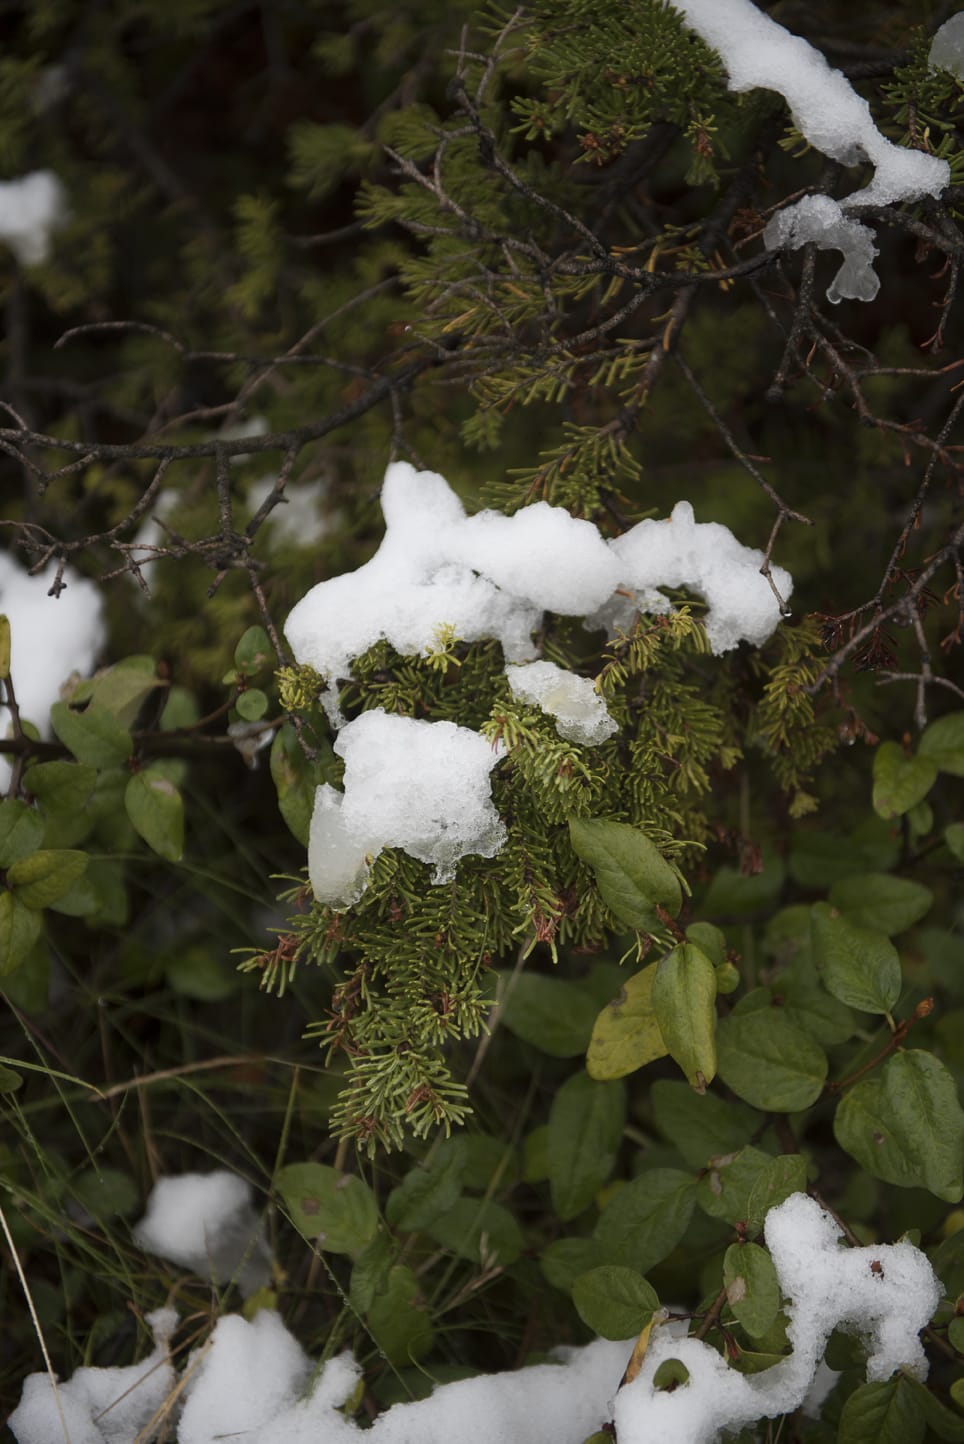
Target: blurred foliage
(489,243)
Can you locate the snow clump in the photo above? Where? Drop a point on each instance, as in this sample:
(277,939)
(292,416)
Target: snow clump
(758,52)
(206,1222)
(420,786)
(424,786)
(99,1406)
(31,209)
(50,638)
(885,1293)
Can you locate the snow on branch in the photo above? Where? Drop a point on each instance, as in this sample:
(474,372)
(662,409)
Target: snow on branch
(834,119)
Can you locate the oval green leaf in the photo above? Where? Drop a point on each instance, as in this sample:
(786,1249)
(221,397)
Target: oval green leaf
(46,875)
(858,966)
(626,1035)
(906,1126)
(943,743)
(335,1210)
(631,873)
(94,736)
(60,787)
(615,1302)
(900,782)
(768,1062)
(21,830)
(156,809)
(585,1128)
(684,1001)
(20,928)
(553,1015)
(880,901)
(645,1220)
(752,1290)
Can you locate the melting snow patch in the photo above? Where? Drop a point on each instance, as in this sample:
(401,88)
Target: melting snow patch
(947,47)
(581,714)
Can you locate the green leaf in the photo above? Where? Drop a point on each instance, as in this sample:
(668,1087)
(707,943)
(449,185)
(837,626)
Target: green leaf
(710,939)
(626,1035)
(553,1015)
(735,894)
(336,1210)
(369,1270)
(906,1126)
(44,876)
(943,743)
(21,831)
(252,704)
(198,972)
(428,1189)
(645,1220)
(859,967)
(700,1126)
(946,1423)
(156,809)
(397,1320)
(615,1302)
(585,1129)
(882,1413)
(881,902)
(900,782)
(752,1290)
(4,648)
(94,736)
(9,1080)
(121,689)
(724,1190)
(20,927)
(768,1062)
(631,873)
(106,1193)
(60,787)
(783,1175)
(295,779)
(254,652)
(808,1006)
(565,1259)
(684,1001)
(480,1230)
(954,839)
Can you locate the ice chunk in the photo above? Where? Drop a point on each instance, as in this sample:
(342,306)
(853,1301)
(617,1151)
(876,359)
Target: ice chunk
(581,714)
(420,786)
(31,208)
(821,220)
(99,1406)
(757,51)
(706,558)
(947,47)
(206,1222)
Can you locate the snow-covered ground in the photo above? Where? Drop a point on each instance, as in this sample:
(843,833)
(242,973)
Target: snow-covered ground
(252,1381)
